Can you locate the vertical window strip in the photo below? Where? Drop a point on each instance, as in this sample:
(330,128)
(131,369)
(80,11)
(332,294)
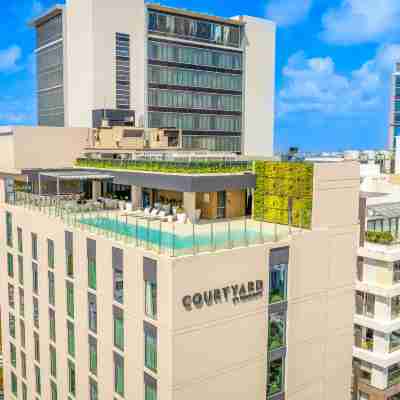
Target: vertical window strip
(122,62)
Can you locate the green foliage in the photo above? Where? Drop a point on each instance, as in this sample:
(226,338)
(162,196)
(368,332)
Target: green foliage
(182,167)
(379,237)
(284,189)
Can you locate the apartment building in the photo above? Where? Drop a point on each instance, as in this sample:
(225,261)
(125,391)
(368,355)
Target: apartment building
(158,67)
(226,283)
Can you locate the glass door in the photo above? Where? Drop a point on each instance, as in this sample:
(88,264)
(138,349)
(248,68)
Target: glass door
(221,204)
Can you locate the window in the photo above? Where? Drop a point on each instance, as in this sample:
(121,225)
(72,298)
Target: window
(34,246)
(10,265)
(118,328)
(71,338)
(11,325)
(70,300)
(38,380)
(365,304)
(278,283)
(11,296)
(9,229)
(150,388)
(93,355)
(22,333)
(69,254)
(119,374)
(14,384)
(92,280)
(150,287)
(92,310)
(93,393)
(53,390)
(150,347)
(53,361)
(50,253)
(23,364)
(362,395)
(21,302)
(276,331)
(13,355)
(24,391)
(52,290)
(36,346)
(20,241)
(71,378)
(52,324)
(275,377)
(363,337)
(395,307)
(118,275)
(35,278)
(21,270)
(394,341)
(122,44)
(36,312)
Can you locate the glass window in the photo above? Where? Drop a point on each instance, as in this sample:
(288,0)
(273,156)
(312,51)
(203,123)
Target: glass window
(276,331)
(71,338)
(34,246)
(36,342)
(394,375)
(52,324)
(150,348)
(118,328)
(92,279)
(52,289)
(277,283)
(50,254)
(13,355)
(71,378)
(151,299)
(53,389)
(36,312)
(11,296)
(150,392)
(24,391)
(275,377)
(363,337)
(20,270)
(395,307)
(10,265)
(35,278)
(21,302)
(118,277)
(394,341)
(93,393)
(22,332)
(11,325)
(365,304)
(69,254)
(38,383)
(14,384)
(93,355)
(53,361)
(70,300)
(20,241)
(9,229)
(92,310)
(119,374)
(23,364)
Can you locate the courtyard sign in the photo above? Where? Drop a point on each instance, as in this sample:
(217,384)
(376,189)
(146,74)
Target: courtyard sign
(235,293)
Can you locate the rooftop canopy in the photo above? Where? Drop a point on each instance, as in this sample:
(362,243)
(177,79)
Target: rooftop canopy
(76,175)
(388,210)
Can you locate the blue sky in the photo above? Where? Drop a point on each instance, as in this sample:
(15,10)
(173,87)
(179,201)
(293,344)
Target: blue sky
(333,65)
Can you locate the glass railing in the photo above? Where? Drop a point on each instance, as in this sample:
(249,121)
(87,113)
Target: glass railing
(394,378)
(164,237)
(182,167)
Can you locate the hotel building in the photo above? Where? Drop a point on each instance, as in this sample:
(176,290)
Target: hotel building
(158,67)
(251,297)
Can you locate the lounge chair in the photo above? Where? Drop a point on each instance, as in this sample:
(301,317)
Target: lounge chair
(181,218)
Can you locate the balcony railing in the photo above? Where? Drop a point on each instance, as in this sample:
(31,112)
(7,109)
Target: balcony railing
(166,166)
(171,238)
(394,378)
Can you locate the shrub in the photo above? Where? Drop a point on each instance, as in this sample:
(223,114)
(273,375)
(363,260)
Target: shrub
(379,237)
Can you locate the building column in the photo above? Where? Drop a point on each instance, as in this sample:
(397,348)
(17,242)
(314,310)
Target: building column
(189,204)
(379,377)
(136,196)
(96,189)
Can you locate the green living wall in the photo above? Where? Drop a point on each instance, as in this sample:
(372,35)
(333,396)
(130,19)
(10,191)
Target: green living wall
(284,192)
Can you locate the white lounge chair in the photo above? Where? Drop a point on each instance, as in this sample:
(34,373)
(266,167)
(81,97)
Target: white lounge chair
(181,218)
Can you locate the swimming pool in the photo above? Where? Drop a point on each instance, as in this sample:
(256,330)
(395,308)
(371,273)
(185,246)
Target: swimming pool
(222,236)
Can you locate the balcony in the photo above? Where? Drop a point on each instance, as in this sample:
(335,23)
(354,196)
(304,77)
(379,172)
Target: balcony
(164,237)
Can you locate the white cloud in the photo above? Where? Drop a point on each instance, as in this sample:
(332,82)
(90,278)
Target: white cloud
(37,8)
(313,84)
(9,59)
(359,21)
(288,12)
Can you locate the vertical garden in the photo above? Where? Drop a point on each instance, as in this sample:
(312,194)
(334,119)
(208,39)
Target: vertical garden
(284,192)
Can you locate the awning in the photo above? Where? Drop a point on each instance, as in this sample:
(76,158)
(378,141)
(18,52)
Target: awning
(389,210)
(76,175)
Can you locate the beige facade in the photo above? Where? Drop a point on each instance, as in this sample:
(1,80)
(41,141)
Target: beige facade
(215,351)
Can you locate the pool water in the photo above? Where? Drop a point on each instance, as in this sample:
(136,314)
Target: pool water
(171,240)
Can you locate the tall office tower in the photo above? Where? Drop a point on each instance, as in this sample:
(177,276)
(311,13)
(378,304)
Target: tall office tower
(102,300)
(128,61)
(394,129)
(376,365)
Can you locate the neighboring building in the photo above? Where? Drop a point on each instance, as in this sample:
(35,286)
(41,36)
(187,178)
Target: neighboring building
(394,130)
(100,301)
(158,67)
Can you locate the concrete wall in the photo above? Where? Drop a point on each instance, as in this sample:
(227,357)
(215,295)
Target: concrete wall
(7,152)
(259,87)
